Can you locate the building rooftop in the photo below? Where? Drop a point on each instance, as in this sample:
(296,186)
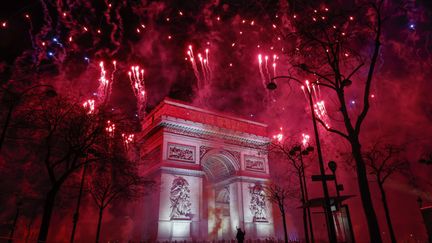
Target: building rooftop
(182,110)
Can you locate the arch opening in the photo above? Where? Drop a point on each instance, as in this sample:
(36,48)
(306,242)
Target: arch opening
(219,165)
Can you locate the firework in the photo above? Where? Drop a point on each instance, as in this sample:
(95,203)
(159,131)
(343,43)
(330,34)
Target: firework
(202,74)
(321,112)
(266,67)
(136,78)
(279,137)
(128,139)
(110,128)
(105,84)
(194,66)
(263,79)
(305,140)
(89,105)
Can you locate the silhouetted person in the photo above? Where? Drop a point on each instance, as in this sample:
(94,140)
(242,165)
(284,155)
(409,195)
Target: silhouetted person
(240,235)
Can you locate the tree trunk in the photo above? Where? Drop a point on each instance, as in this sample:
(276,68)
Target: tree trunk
(282,209)
(99,224)
(312,238)
(11,235)
(365,195)
(6,126)
(76,214)
(387,213)
(48,209)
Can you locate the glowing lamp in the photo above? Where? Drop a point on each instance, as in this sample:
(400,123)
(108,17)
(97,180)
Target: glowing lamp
(332,166)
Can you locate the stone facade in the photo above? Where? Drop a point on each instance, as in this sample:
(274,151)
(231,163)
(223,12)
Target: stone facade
(209,168)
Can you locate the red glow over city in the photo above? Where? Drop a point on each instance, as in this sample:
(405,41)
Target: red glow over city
(216,121)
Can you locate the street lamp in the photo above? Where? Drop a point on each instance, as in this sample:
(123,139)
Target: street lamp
(327,206)
(333,166)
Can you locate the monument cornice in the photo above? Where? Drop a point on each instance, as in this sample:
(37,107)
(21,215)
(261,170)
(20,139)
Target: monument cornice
(199,130)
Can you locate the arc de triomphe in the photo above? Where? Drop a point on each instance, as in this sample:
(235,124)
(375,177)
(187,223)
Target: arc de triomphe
(210,169)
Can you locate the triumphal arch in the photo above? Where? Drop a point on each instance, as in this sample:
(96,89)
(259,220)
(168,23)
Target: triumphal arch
(210,170)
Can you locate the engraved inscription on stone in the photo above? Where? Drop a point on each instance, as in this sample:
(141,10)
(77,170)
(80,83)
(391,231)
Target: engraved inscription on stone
(181,152)
(253,163)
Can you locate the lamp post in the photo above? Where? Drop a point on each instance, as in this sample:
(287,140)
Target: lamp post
(327,207)
(333,166)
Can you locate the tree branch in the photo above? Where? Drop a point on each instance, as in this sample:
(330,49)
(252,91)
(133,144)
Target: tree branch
(331,129)
(374,59)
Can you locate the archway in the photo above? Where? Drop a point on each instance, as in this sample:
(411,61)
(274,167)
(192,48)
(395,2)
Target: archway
(219,166)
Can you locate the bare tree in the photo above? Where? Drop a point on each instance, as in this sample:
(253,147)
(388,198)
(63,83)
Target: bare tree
(63,137)
(279,194)
(294,153)
(336,47)
(12,97)
(383,162)
(117,178)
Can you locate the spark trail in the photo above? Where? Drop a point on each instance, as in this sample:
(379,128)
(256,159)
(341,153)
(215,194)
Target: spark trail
(136,78)
(89,105)
(263,79)
(105,83)
(128,139)
(203,74)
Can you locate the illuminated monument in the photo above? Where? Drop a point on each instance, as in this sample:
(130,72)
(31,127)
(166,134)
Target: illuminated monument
(210,169)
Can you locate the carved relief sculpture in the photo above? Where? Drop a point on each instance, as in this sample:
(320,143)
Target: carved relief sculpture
(181,152)
(253,163)
(258,203)
(180,199)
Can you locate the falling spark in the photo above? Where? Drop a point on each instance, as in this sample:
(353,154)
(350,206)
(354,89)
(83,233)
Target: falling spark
(105,84)
(261,71)
(194,66)
(279,137)
(89,105)
(136,78)
(307,85)
(321,113)
(110,128)
(207,55)
(266,68)
(202,74)
(305,140)
(128,139)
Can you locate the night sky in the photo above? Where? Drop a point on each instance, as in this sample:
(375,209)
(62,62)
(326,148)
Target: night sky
(62,42)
